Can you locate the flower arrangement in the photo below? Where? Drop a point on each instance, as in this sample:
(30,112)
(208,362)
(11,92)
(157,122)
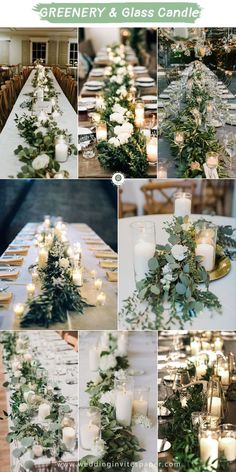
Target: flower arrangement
(177,284)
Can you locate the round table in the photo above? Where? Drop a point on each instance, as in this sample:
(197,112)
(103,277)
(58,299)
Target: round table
(224,288)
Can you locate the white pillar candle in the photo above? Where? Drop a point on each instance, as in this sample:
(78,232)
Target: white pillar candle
(88,435)
(47,223)
(77,277)
(94,358)
(140,407)
(68,437)
(218,344)
(214,407)
(143,251)
(43,258)
(30,290)
(195,347)
(42,116)
(227,446)
(151,148)
(40,94)
(61,151)
(224,374)
(139,114)
(101,132)
(101,299)
(98,284)
(162,174)
(182,207)
(201,370)
(44,411)
(122,344)
(207,253)
(209,450)
(124,404)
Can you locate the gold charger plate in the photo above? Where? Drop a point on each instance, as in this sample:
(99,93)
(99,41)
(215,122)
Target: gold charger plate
(222,268)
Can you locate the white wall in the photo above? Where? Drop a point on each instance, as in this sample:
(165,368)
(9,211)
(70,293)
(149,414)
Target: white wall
(102,37)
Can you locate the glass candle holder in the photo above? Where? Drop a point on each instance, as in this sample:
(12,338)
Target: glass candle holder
(77,277)
(215,397)
(90,427)
(209,421)
(212,160)
(183,203)
(122,343)
(162,171)
(61,149)
(124,401)
(101,131)
(140,402)
(201,369)
(151,149)
(227,442)
(209,446)
(218,344)
(139,113)
(19,309)
(42,258)
(195,417)
(144,244)
(206,235)
(195,346)
(89,151)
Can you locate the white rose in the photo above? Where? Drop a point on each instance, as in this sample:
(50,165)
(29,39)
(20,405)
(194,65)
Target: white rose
(107,362)
(40,162)
(124,137)
(23,407)
(23,380)
(99,448)
(117,117)
(117,79)
(166,269)
(97,379)
(29,396)
(64,263)
(41,130)
(114,141)
(179,252)
(119,109)
(16,365)
(17,374)
(127,128)
(17,386)
(108,397)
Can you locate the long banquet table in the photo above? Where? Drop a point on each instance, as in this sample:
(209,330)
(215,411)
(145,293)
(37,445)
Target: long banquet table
(54,354)
(142,357)
(224,288)
(10,139)
(94,317)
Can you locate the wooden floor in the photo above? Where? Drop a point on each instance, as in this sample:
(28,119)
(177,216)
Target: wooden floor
(4,446)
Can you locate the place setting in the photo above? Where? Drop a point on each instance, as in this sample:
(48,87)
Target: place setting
(196,401)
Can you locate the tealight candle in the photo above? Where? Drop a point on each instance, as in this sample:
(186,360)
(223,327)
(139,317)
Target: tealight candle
(101,131)
(68,437)
(30,290)
(44,411)
(224,375)
(195,347)
(61,149)
(77,277)
(151,148)
(98,284)
(139,114)
(19,309)
(162,172)
(101,299)
(89,433)
(94,358)
(212,160)
(183,203)
(140,402)
(42,258)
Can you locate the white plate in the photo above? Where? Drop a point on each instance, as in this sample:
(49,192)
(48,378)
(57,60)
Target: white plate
(151,106)
(140,68)
(145,79)
(166,447)
(145,84)
(149,98)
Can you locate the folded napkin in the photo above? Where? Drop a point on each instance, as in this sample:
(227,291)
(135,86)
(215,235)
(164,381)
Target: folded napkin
(112,276)
(108,264)
(94,241)
(5,297)
(12,260)
(6,274)
(17,250)
(98,248)
(106,255)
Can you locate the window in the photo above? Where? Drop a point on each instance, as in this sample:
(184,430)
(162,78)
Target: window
(39,51)
(73,54)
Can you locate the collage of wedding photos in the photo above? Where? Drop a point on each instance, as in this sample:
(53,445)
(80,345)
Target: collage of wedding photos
(117,249)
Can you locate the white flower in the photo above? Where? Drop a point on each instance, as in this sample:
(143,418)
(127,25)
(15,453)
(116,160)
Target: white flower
(40,162)
(23,407)
(179,252)
(99,448)
(41,130)
(17,386)
(17,374)
(97,379)
(117,117)
(16,365)
(108,397)
(124,137)
(117,108)
(117,79)
(107,362)
(166,269)
(27,357)
(37,450)
(64,263)
(23,380)
(143,421)
(122,92)
(120,374)
(29,396)
(114,141)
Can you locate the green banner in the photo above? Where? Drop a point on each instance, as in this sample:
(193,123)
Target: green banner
(161,12)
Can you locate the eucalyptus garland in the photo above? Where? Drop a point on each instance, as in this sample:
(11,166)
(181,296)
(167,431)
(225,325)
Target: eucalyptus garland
(120,448)
(58,292)
(176,283)
(192,120)
(22,372)
(38,155)
(125,150)
(183,437)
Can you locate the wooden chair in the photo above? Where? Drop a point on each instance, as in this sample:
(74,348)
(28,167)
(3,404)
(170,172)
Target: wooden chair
(166,191)
(126,208)
(3,113)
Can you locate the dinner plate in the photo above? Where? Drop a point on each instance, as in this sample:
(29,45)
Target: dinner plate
(149,98)
(162,448)
(145,79)
(140,69)
(151,106)
(99,72)
(145,84)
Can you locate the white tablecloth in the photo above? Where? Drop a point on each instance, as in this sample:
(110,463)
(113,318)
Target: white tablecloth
(95,317)
(224,288)
(10,139)
(142,356)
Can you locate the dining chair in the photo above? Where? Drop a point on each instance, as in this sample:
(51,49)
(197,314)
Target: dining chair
(126,208)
